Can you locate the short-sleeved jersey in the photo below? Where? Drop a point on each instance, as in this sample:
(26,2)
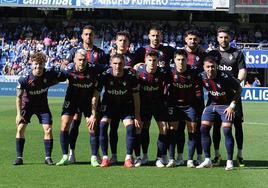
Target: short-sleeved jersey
(118,90)
(94,56)
(221,90)
(36,87)
(232,61)
(81,84)
(165,54)
(151,85)
(196,58)
(183,86)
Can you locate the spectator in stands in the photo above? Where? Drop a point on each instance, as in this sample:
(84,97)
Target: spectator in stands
(256,82)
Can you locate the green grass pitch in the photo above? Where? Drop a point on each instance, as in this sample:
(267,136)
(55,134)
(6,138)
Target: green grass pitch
(36,174)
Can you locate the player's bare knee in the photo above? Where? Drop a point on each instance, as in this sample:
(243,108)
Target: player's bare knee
(20,131)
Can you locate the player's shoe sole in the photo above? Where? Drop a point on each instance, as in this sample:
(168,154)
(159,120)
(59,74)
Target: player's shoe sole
(205,164)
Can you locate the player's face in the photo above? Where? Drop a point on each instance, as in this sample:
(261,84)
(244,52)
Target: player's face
(192,41)
(38,68)
(88,36)
(223,39)
(211,69)
(151,62)
(117,67)
(181,62)
(80,62)
(155,37)
(122,43)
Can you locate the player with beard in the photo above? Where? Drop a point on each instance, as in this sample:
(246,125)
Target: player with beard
(96,56)
(232,61)
(82,79)
(223,94)
(195,57)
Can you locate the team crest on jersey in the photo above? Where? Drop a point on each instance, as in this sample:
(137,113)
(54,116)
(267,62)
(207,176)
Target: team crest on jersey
(156,79)
(111,83)
(219,86)
(45,80)
(230,57)
(124,83)
(188,77)
(30,82)
(95,55)
(197,58)
(207,85)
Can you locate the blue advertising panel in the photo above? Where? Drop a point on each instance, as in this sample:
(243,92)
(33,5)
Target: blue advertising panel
(256,58)
(255,94)
(9,89)
(126,4)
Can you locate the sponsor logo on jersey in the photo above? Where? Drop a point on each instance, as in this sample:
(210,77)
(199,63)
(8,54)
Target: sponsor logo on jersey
(183,86)
(38,92)
(150,88)
(83,85)
(217,93)
(116,92)
(225,68)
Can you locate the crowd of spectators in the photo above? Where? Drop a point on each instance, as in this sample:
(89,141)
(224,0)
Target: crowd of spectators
(19,41)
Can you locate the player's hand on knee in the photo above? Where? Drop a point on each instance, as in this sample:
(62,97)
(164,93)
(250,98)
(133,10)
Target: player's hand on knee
(229,113)
(91,122)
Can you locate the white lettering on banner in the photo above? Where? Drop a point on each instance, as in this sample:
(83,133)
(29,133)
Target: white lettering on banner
(257,59)
(48,2)
(256,95)
(149,2)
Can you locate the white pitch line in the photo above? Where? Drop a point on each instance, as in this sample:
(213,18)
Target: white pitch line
(255,123)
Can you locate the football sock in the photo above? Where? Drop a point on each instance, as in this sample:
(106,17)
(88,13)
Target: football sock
(74,130)
(104,137)
(191,145)
(198,144)
(162,144)
(130,137)
(239,134)
(64,141)
(181,137)
(113,136)
(206,140)
(48,147)
(145,140)
(229,142)
(216,135)
(172,143)
(94,139)
(239,153)
(137,145)
(19,147)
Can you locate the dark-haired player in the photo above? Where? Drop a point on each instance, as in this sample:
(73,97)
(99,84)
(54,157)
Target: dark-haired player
(151,78)
(120,101)
(181,105)
(223,94)
(232,61)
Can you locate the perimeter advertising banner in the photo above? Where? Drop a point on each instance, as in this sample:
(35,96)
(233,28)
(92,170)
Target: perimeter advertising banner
(256,58)
(126,4)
